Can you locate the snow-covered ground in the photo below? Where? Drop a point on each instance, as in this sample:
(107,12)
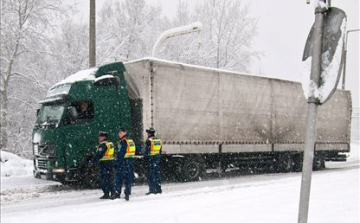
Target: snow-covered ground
(13,165)
(251,198)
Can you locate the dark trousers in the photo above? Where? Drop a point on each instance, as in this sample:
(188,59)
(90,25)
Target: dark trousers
(154,179)
(124,171)
(106,176)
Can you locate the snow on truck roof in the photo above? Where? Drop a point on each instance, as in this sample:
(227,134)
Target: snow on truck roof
(88,74)
(204,68)
(185,65)
(215,69)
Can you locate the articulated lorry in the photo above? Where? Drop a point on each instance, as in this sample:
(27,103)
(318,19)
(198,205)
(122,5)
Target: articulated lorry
(207,118)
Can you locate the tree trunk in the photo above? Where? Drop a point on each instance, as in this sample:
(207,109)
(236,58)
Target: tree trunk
(5,80)
(3,118)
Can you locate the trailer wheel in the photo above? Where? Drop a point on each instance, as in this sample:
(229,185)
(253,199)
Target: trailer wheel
(192,169)
(285,163)
(319,163)
(298,162)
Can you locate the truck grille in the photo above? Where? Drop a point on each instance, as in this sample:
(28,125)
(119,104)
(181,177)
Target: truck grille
(43,150)
(42,163)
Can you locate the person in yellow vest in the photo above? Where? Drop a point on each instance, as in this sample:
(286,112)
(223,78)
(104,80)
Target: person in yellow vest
(105,158)
(152,153)
(124,165)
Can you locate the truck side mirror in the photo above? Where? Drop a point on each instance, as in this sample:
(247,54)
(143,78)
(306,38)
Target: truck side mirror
(37,112)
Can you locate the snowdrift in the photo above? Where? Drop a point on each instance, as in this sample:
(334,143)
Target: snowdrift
(13,165)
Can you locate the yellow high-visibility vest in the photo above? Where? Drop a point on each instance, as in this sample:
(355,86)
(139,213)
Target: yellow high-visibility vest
(130,150)
(110,152)
(155,148)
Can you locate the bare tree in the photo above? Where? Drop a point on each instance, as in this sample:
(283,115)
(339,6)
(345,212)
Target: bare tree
(226,40)
(24,25)
(70,50)
(127,30)
(230,31)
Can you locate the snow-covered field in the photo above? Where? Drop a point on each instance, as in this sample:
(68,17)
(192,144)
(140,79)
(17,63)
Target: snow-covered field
(252,198)
(13,165)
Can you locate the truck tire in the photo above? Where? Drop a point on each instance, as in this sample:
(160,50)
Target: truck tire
(298,162)
(61,179)
(192,169)
(88,175)
(319,163)
(285,163)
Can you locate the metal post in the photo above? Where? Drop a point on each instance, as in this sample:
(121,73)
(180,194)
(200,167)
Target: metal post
(92,35)
(182,30)
(345,55)
(311,118)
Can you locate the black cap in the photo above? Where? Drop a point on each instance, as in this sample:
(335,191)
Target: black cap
(122,129)
(150,130)
(101,133)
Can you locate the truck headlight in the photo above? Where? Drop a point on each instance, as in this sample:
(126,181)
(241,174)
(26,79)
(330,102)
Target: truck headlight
(36,149)
(58,170)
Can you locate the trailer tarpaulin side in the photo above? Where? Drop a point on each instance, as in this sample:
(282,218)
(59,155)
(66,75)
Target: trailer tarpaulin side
(197,105)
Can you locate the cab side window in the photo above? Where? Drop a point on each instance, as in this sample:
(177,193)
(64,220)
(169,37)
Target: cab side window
(81,112)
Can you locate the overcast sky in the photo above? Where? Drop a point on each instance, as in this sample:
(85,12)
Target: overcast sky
(282,31)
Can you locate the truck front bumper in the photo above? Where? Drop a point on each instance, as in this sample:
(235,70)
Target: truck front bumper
(61,175)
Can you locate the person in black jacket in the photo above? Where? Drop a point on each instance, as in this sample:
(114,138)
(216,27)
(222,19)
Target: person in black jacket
(124,165)
(105,158)
(152,153)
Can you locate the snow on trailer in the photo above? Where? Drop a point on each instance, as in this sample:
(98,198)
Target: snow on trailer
(199,110)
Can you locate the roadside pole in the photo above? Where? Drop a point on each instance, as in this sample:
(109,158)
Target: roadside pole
(313,104)
(92,34)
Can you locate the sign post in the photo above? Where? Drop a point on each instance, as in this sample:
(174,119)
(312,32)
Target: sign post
(325,46)
(311,118)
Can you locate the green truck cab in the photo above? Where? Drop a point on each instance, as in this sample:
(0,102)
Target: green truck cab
(70,117)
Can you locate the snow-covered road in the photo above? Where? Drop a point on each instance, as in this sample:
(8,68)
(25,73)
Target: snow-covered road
(250,198)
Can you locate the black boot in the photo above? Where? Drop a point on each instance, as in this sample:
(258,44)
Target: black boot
(115,196)
(105,196)
(127,197)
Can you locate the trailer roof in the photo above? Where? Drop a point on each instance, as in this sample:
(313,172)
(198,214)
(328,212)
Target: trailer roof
(169,62)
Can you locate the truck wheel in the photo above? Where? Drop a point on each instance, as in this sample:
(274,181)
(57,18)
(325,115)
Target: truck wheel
(177,169)
(192,169)
(88,175)
(298,162)
(285,163)
(61,179)
(319,163)
(90,178)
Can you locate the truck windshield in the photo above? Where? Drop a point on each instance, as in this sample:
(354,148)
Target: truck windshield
(50,114)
